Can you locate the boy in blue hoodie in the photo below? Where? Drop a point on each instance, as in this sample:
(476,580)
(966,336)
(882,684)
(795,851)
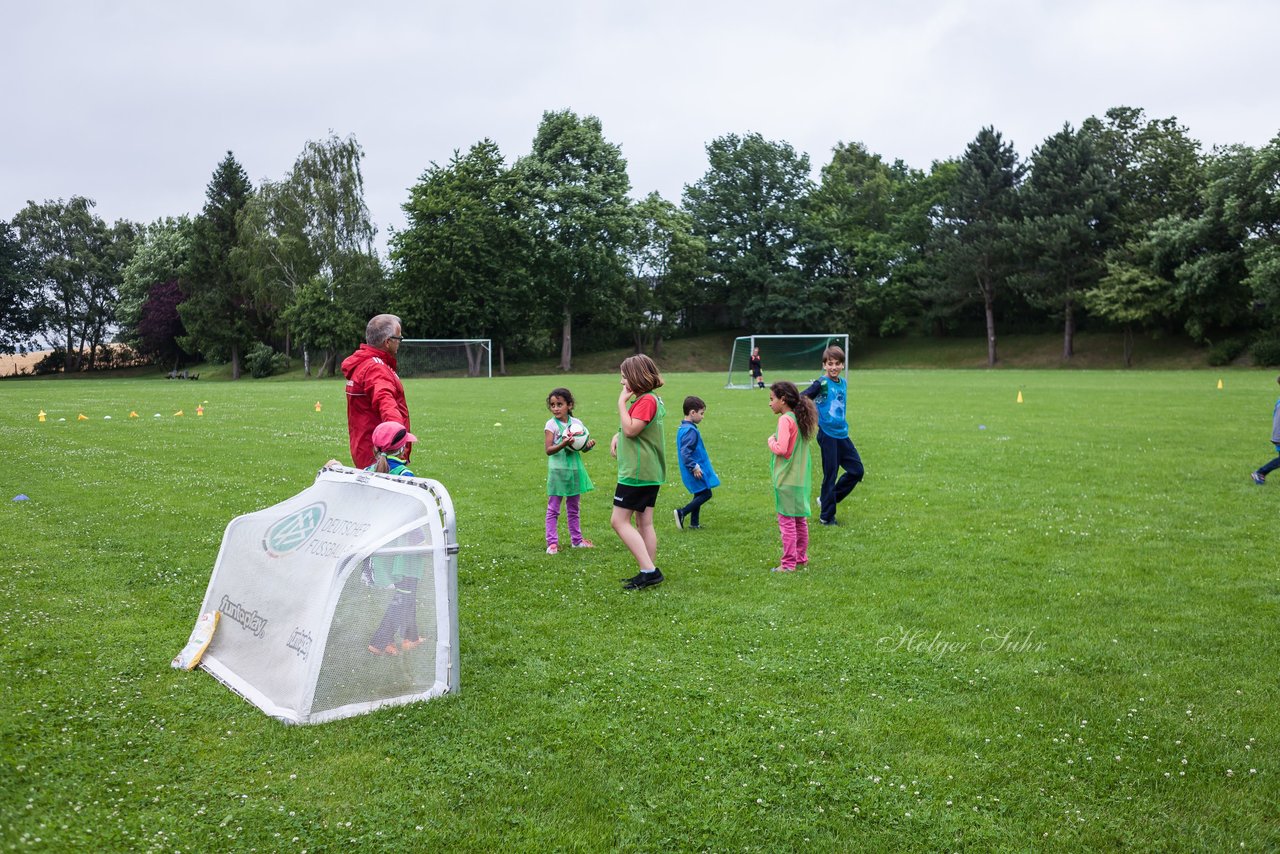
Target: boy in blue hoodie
(695,466)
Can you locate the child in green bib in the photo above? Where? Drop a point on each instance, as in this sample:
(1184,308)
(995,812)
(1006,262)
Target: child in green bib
(567,477)
(792,480)
(642,466)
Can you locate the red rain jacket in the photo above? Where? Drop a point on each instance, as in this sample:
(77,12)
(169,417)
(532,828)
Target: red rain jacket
(374,394)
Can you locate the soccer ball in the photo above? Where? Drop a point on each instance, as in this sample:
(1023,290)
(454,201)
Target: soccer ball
(578,437)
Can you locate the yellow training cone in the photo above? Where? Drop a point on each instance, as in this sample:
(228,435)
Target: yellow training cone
(1019,395)
(82,417)
(179,412)
(317,406)
(41,416)
(133,414)
(1219,384)
(199,410)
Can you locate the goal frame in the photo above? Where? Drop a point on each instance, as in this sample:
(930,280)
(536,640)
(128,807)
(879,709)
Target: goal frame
(841,338)
(486,342)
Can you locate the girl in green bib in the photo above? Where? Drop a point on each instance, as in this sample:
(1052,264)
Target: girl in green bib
(642,466)
(567,478)
(792,481)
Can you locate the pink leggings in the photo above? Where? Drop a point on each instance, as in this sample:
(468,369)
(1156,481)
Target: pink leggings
(553,518)
(795,540)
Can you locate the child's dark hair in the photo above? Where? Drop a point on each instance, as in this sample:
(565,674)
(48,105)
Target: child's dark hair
(564,394)
(641,374)
(693,403)
(806,413)
(833,354)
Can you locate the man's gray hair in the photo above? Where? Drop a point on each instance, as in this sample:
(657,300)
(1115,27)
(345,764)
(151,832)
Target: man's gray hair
(380,328)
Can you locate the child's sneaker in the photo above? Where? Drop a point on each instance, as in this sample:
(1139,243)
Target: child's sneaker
(1259,479)
(553,549)
(641,580)
(679,518)
(407,644)
(783,569)
(585,544)
(389,649)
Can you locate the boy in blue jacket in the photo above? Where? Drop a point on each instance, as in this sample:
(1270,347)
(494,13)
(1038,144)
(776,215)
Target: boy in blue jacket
(695,466)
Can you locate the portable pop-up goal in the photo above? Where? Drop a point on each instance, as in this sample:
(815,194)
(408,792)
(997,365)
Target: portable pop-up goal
(339,600)
(782,357)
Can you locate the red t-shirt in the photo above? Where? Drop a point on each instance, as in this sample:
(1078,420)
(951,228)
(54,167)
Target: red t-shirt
(644,409)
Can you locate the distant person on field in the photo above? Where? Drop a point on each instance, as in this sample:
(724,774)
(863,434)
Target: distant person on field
(374,391)
(567,477)
(642,466)
(830,393)
(401,573)
(1260,476)
(695,466)
(792,479)
(757,373)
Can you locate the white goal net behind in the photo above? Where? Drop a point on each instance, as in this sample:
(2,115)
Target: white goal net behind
(782,357)
(445,357)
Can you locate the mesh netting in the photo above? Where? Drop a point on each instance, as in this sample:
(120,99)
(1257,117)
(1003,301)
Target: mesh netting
(444,358)
(797,358)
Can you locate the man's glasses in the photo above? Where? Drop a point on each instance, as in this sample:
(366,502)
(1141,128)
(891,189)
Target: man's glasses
(395,338)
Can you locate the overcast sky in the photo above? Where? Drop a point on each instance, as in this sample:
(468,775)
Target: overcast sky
(133,104)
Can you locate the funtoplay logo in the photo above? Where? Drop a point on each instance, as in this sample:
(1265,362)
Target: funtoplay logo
(291,532)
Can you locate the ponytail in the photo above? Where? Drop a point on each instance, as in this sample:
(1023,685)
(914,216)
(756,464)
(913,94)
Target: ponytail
(381,466)
(802,407)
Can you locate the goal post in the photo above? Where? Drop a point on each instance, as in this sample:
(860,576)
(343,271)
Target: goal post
(782,357)
(445,357)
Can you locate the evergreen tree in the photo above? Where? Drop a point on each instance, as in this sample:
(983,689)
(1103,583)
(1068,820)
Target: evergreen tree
(217,311)
(1068,211)
(976,236)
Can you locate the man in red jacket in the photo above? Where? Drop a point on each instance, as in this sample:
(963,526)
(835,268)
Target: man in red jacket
(374,392)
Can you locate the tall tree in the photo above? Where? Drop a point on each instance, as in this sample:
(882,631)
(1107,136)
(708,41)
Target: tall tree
(17,294)
(666,261)
(749,211)
(217,312)
(1068,206)
(975,235)
(462,264)
(74,260)
(580,183)
(312,223)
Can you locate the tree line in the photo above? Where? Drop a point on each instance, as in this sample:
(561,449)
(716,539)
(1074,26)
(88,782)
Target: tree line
(1122,223)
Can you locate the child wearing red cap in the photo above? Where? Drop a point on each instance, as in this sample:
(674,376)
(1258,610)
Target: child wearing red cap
(389,440)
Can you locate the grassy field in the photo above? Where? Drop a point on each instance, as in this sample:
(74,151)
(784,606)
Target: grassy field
(1040,626)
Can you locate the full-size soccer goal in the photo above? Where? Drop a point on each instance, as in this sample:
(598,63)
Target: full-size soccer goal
(445,357)
(782,357)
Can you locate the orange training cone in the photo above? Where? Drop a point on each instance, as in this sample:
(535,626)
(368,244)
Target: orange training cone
(317,406)
(199,410)
(82,417)
(133,414)
(1019,395)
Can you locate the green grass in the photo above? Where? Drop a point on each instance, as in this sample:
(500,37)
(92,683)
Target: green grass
(1106,528)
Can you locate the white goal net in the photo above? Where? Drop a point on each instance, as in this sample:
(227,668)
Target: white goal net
(445,357)
(782,357)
